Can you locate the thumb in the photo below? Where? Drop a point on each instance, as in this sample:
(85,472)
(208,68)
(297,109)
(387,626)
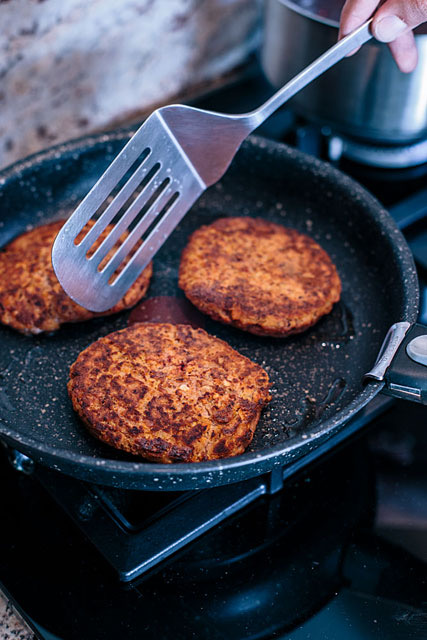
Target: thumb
(395,17)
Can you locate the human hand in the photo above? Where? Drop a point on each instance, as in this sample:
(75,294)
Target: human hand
(392,22)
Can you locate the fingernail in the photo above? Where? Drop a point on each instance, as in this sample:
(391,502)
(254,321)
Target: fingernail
(389,28)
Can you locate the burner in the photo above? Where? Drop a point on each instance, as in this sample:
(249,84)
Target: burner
(392,173)
(381,156)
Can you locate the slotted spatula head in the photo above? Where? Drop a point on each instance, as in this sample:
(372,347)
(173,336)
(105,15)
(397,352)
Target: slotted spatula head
(173,157)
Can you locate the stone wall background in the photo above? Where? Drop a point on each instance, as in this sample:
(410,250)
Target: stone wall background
(70,67)
(12,626)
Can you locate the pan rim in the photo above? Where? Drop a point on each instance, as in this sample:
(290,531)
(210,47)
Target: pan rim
(141,470)
(198,468)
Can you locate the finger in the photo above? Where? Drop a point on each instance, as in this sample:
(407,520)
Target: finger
(405,52)
(395,18)
(354,13)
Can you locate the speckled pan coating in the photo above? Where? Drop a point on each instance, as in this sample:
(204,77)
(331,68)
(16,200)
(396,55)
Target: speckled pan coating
(316,376)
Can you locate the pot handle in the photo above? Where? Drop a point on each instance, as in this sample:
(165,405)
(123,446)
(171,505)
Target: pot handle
(402,362)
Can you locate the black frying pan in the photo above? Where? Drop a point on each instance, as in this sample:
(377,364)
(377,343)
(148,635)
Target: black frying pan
(317,376)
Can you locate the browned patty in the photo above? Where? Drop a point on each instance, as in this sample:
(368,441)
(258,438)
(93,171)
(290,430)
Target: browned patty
(31,298)
(168,393)
(258,276)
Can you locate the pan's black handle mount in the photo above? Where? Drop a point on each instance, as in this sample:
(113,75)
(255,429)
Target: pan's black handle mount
(402,362)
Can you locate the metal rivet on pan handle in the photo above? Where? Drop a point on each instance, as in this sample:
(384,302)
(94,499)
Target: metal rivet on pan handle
(417,350)
(406,374)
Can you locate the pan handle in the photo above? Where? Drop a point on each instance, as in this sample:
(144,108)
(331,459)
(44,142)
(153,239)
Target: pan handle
(402,362)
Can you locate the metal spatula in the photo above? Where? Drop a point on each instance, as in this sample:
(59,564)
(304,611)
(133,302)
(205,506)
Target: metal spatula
(175,155)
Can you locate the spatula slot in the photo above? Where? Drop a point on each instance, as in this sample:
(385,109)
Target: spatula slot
(114,200)
(129,220)
(159,206)
(149,203)
(124,216)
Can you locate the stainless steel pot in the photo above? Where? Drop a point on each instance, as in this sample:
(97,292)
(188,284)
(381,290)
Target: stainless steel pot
(365,96)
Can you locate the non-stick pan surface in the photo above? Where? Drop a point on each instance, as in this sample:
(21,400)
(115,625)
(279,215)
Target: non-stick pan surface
(316,376)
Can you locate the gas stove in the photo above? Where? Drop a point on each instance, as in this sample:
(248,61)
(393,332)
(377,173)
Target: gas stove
(338,552)
(332,546)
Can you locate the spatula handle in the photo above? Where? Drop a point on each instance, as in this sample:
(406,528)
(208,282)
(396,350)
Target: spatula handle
(320,65)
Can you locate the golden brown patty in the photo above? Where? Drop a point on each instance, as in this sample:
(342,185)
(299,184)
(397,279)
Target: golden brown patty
(169,393)
(31,298)
(258,276)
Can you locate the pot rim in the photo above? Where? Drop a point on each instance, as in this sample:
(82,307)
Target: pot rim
(330,22)
(294,6)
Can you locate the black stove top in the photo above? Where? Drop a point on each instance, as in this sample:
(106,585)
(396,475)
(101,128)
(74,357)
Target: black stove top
(326,557)
(332,547)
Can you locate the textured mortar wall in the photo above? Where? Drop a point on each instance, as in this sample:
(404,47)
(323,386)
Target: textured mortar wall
(69,67)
